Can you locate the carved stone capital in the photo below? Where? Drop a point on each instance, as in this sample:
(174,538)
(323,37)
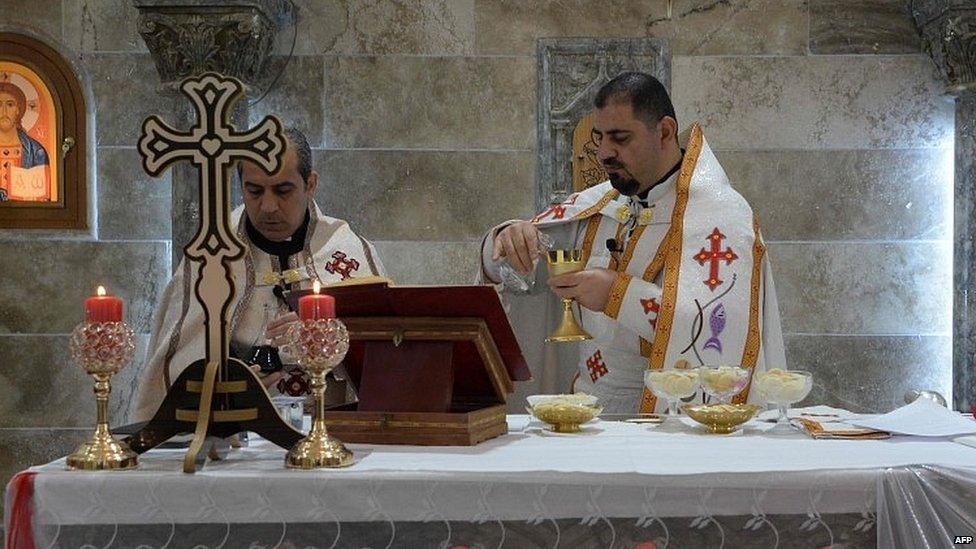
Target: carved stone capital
(232,37)
(570,72)
(948,31)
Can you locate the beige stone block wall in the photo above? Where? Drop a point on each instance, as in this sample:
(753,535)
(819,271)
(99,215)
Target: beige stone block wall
(422,115)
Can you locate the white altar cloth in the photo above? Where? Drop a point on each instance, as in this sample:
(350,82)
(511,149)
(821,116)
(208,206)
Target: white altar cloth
(615,484)
(615,470)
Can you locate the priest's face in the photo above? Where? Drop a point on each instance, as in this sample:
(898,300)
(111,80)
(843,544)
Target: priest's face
(276,203)
(634,154)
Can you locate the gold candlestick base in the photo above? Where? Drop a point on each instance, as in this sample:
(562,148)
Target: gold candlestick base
(101,348)
(322,345)
(102,452)
(318,450)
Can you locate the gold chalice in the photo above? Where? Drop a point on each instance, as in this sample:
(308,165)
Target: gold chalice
(321,346)
(562,262)
(102,348)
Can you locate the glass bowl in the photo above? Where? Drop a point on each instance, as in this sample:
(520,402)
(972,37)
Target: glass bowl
(723,382)
(782,388)
(672,385)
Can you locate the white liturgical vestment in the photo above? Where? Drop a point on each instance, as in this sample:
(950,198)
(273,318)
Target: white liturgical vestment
(332,253)
(694,282)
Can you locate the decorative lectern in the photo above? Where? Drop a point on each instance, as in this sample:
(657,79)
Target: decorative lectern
(433,364)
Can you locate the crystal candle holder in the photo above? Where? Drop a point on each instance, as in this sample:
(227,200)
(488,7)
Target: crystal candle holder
(320,346)
(101,349)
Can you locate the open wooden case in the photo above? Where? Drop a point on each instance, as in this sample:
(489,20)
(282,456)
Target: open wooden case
(433,364)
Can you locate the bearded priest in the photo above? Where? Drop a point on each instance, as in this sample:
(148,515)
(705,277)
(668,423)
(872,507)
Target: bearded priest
(676,271)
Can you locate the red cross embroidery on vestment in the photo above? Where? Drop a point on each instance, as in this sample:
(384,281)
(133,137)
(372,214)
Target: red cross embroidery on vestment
(295,383)
(556,211)
(651,306)
(342,266)
(596,366)
(714,256)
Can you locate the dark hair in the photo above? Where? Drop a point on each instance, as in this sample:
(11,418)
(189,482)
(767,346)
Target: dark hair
(297,140)
(19,98)
(645,94)
(303,150)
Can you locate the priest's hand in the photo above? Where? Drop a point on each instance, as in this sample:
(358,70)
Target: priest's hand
(590,287)
(519,244)
(269,380)
(277,332)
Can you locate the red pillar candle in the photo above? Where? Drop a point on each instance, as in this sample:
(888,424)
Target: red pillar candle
(316,306)
(103,308)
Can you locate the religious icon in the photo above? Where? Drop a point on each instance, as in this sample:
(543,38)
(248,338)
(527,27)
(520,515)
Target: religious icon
(28,136)
(587,168)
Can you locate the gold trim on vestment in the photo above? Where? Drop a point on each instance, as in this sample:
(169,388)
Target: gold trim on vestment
(645,348)
(631,247)
(289,276)
(649,275)
(592,227)
(658,262)
(750,355)
(604,200)
(616,298)
(612,265)
(672,264)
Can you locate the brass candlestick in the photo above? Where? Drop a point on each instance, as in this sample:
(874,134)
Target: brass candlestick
(321,346)
(564,262)
(102,348)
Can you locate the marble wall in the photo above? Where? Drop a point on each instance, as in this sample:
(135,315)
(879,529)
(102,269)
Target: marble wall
(826,114)
(46,402)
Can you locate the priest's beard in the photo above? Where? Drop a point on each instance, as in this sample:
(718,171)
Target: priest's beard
(624,183)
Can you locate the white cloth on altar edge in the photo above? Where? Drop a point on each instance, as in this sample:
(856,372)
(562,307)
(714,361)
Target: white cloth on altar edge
(516,470)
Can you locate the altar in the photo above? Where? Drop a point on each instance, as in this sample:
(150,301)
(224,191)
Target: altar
(615,484)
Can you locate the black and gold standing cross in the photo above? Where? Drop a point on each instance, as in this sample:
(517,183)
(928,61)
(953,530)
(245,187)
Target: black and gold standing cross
(217,393)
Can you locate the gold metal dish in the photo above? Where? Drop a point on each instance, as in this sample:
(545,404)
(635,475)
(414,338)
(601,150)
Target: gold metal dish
(564,418)
(721,418)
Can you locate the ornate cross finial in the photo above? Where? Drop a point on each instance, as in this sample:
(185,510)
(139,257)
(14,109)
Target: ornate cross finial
(212,145)
(217,393)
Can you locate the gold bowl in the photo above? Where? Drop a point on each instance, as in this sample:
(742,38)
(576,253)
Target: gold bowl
(564,418)
(721,418)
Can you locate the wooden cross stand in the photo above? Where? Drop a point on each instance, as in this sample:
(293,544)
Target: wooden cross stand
(218,394)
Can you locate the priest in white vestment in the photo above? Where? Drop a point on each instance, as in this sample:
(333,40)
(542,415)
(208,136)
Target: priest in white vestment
(289,244)
(676,269)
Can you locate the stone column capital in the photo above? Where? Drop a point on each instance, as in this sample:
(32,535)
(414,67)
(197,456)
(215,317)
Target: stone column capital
(232,37)
(948,32)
